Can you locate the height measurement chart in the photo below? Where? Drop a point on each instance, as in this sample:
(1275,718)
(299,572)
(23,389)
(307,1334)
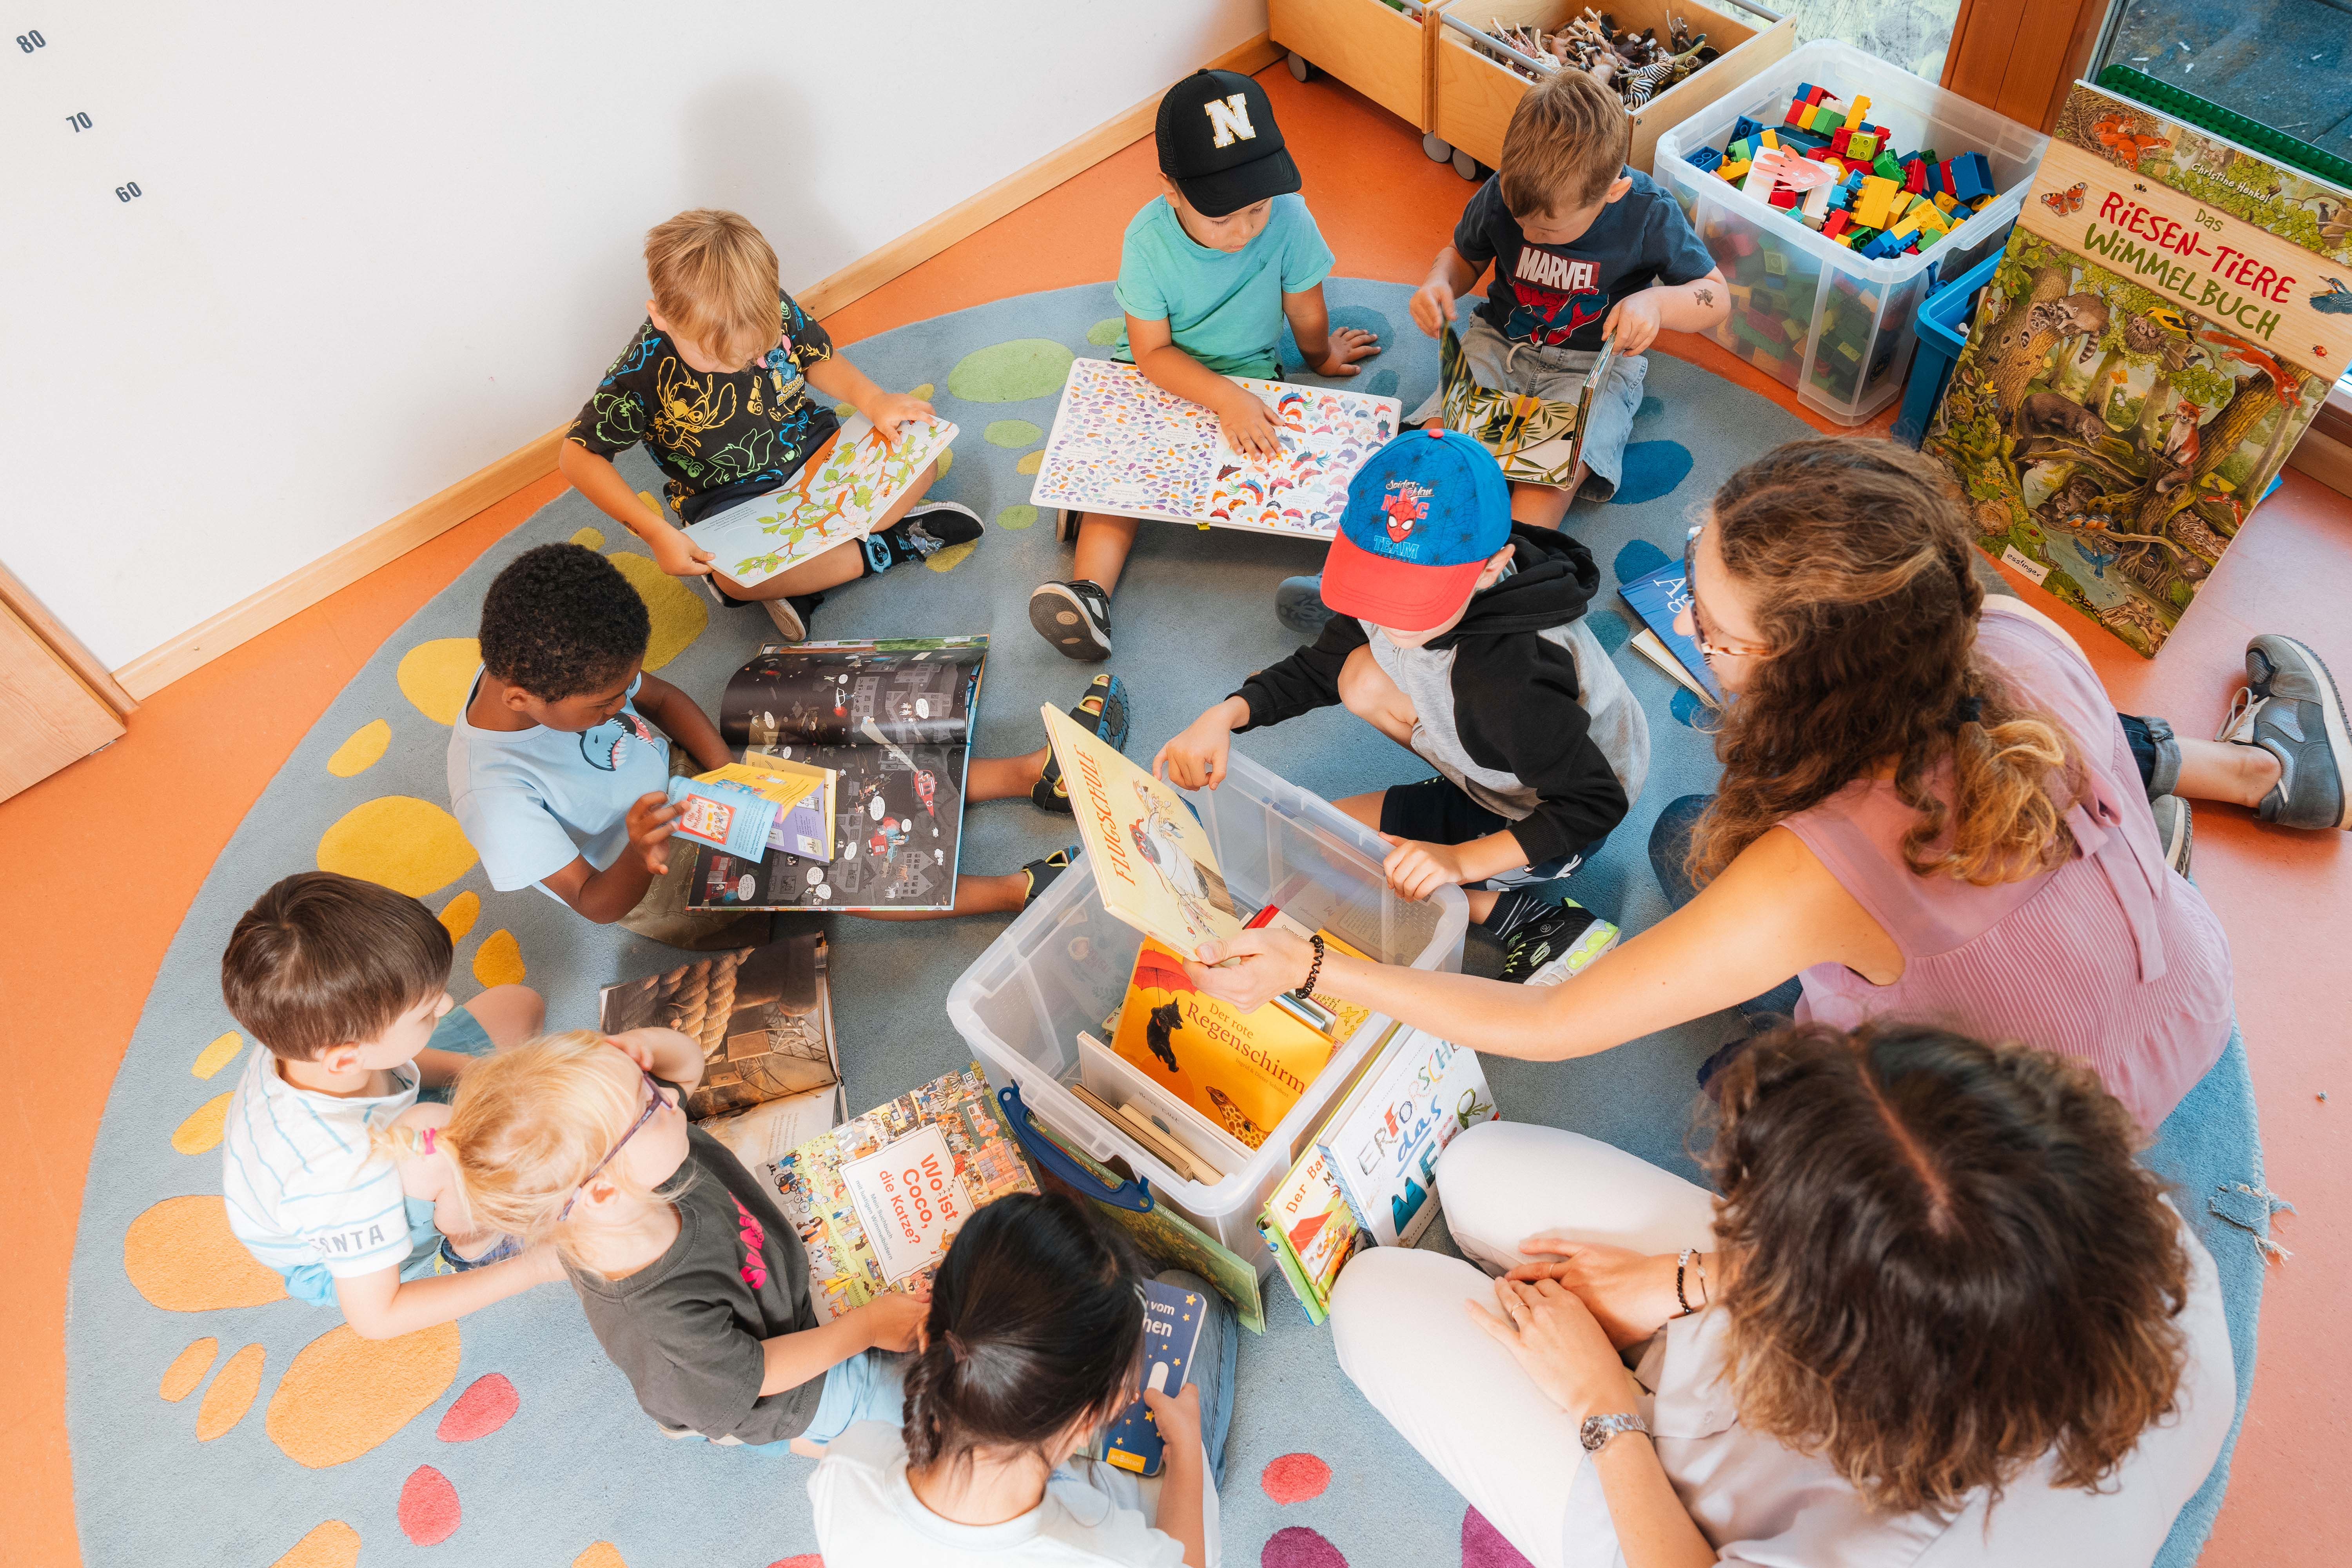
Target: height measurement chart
(1122,445)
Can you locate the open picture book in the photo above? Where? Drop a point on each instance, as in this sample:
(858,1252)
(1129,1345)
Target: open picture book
(886,727)
(838,495)
(1538,440)
(1122,445)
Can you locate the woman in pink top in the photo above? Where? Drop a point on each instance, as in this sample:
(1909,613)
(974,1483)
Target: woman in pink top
(1928,808)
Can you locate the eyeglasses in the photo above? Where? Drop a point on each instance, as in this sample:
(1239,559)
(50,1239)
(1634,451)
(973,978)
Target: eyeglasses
(1707,647)
(654,1100)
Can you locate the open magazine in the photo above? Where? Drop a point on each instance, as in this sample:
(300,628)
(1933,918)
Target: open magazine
(1123,445)
(891,721)
(838,495)
(1538,440)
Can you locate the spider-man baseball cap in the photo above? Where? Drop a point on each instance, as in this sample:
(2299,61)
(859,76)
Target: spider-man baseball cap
(1424,514)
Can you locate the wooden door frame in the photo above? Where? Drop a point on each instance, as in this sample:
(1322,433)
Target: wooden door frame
(2019,57)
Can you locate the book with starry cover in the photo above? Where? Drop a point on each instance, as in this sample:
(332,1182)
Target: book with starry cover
(876,1200)
(1172,1332)
(890,723)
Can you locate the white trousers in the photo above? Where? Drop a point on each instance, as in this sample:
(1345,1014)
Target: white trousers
(1404,1334)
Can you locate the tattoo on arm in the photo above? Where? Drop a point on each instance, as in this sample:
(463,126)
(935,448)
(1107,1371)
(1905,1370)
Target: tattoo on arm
(1704,296)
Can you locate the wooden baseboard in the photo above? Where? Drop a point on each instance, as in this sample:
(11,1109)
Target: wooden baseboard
(338,568)
(159,666)
(85,665)
(2320,455)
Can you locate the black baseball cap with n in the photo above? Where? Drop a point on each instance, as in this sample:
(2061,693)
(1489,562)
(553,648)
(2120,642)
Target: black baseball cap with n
(1219,142)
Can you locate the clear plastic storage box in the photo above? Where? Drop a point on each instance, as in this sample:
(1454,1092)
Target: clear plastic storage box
(1819,318)
(1063,967)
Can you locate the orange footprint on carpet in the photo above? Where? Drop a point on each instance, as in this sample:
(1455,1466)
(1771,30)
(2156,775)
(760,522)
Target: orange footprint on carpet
(429,1514)
(1294,1478)
(181,1256)
(602,1554)
(188,1369)
(343,1396)
(488,1402)
(333,1544)
(231,1394)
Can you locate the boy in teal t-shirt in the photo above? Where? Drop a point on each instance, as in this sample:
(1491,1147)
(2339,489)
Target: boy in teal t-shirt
(1207,275)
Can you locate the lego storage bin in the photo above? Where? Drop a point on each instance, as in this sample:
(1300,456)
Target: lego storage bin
(1063,967)
(1381,50)
(1834,325)
(1475,89)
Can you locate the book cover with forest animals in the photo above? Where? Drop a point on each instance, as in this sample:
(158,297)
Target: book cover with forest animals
(2166,320)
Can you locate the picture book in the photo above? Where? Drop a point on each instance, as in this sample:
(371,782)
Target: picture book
(1657,596)
(891,723)
(2166,320)
(1202,1143)
(1166,1236)
(1154,865)
(1242,1070)
(838,495)
(1645,643)
(1382,1145)
(763,1016)
(1122,445)
(1172,1332)
(803,796)
(1536,440)
(773,1128)
(724,816)
(877,1199)
(1311,1232)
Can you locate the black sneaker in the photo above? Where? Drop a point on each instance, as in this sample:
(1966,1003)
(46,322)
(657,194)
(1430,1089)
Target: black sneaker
(1554,942)
(2173,831)
(1041,873)
(1298,606)
(1107,721)
(1074,617)
(2290,708)
(922,533)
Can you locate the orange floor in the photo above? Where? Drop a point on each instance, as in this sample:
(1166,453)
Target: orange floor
(103,859)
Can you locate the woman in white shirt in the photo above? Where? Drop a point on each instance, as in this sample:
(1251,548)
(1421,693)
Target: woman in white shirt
(1938,1315)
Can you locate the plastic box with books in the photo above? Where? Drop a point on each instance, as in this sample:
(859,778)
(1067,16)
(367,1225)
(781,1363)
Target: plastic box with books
(1849,321)
(1060,969)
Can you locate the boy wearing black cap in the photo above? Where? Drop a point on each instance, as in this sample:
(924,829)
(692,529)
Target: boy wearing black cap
(1207,275)
(1460,634)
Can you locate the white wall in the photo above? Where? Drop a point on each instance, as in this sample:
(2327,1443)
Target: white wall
(378,246)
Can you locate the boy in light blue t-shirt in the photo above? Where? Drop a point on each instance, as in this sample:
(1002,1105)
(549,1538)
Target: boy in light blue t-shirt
(1207,275)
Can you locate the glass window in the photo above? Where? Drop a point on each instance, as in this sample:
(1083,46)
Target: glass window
(2285,63)
(1913,34)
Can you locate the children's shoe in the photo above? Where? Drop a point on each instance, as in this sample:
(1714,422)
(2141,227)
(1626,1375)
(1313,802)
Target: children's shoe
(508,1247)
(1298,606)
(1545,942)
(1074,617)
(1102,712)
(2173,831)
(2290,708)
(790,625)
(1066,525)
(922,533)
(1041,873)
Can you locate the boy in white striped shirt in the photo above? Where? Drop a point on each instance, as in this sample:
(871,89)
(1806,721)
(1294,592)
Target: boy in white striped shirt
(346,983)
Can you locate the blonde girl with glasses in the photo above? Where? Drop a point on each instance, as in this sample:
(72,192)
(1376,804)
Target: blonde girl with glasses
(693,1281)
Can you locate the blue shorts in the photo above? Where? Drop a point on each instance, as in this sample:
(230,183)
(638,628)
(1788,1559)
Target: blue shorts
(869,1386)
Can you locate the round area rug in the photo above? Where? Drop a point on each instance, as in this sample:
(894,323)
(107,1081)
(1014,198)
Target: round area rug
(214,1420)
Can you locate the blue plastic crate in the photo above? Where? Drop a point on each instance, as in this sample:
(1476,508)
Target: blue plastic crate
(1943,330)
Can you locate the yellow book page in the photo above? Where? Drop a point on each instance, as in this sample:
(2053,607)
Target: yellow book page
(771,775)
(786,790)
(1152,861)
(1243,1070)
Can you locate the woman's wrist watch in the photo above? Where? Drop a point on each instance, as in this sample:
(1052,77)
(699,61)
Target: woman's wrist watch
(1598,1429)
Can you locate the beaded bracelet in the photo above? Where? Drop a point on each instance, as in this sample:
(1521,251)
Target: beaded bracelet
(1683,1261)
(1306,986)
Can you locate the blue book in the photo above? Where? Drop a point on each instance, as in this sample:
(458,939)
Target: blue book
(724,816)
(1171,1328)
(1658,595)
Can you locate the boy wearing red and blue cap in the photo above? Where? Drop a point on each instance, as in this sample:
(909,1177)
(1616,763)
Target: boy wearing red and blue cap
(1460,634)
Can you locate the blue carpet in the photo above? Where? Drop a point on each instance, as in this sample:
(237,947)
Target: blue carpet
(284,1431)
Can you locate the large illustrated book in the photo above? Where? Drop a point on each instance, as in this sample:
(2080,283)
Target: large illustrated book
(877,1199)
(2166,320)
(763,1016)
(838,495)
(1536,440)
(1122,445)
(1381,1146)
(1659,595)
(892,723)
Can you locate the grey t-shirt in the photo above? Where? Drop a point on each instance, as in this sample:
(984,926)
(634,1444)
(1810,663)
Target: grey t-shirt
(686,1328)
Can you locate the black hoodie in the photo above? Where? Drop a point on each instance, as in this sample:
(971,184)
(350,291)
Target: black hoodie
(1516,705)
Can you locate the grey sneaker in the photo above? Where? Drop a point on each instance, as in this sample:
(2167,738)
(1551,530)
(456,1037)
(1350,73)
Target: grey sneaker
(1298,606)
(1074,617)
(2173,831)
(788,624)
(2289,708)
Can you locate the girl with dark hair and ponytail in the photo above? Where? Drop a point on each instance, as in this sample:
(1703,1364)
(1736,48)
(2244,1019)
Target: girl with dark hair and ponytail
(1927,808)
(1033,1340)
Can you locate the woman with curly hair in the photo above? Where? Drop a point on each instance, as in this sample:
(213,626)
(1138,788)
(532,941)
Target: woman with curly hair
(1938,1317)
(1927,808)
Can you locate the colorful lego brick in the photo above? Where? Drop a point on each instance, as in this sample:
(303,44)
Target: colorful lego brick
(1705,159)
(1915,178)
(1859,115)
(1949,182)
(1733,170)
(1945,204)
(1804,142)
(1807,93)
(1836,224)
(1769,138)
(1800,111)
(1862,144)
(1885,166)
(1839,140)
(1739,292)
(1744,127)
(1776,262)
(1816,208)
(1739,149)
(1870,206)
(1973,173)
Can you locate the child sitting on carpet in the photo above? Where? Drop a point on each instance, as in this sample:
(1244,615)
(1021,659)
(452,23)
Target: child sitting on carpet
(715,383)
(345,985)
(559,781)
(1460,634)
(1033,1342)
(693,1281)
(1207,274)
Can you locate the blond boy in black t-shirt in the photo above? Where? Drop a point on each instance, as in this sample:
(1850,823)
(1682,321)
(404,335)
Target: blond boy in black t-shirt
(717,383)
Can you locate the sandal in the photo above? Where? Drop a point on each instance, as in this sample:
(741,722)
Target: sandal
(1041,873)
(1107,721)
